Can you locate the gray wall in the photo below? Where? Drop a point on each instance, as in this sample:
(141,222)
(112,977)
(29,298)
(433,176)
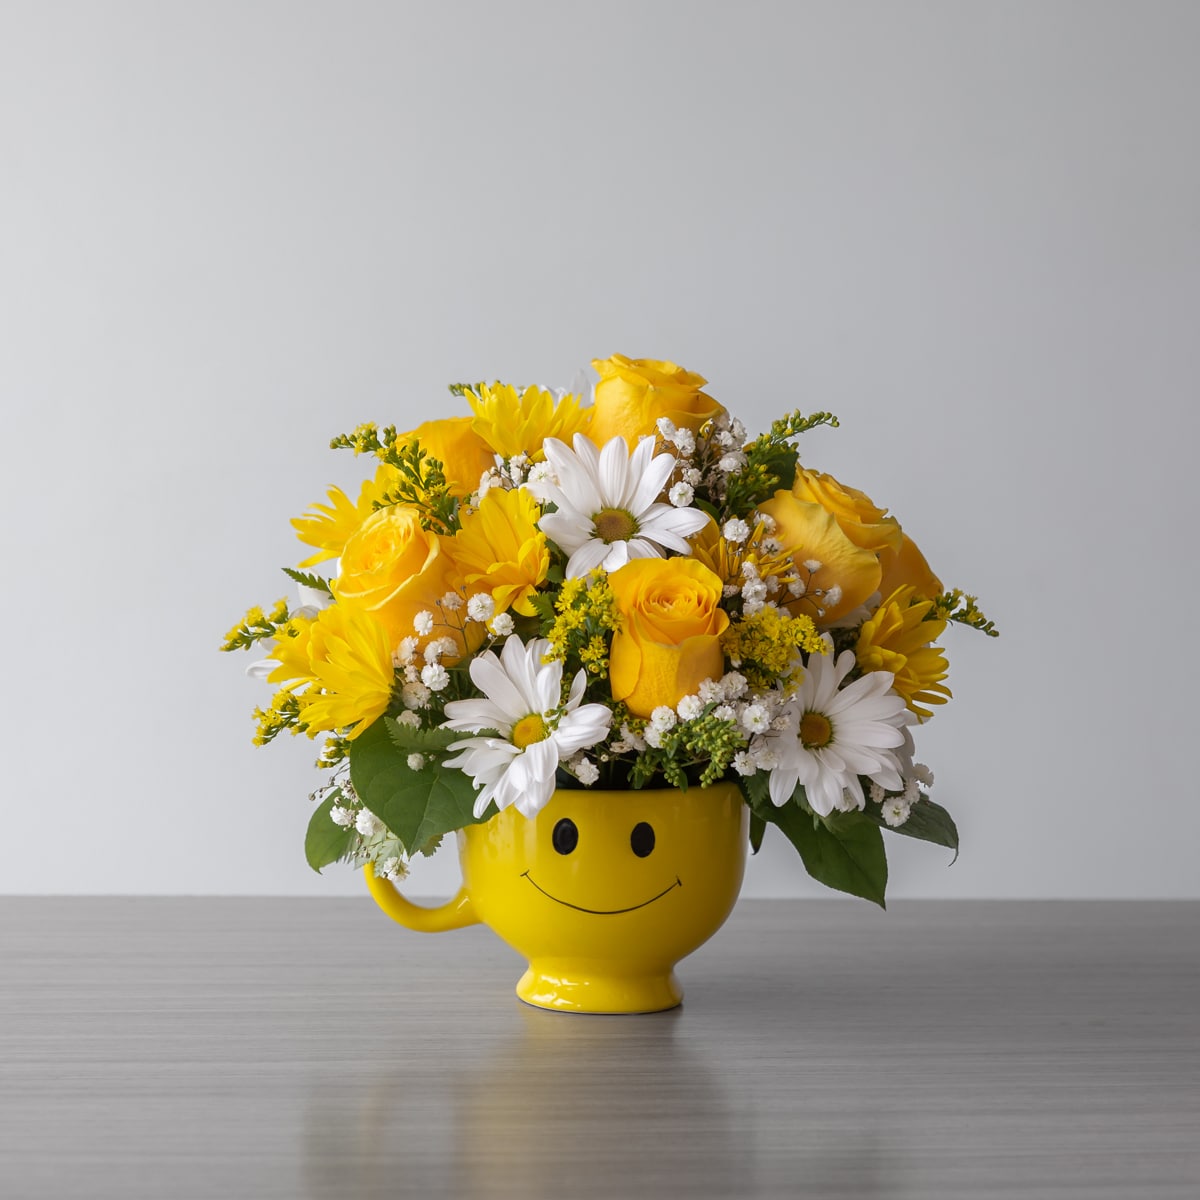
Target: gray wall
(231,230)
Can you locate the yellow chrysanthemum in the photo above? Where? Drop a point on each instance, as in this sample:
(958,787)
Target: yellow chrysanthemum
(290,652)
(513,422)
(897,638)
(501,550)
(330,526)
(725,558)
(345,659)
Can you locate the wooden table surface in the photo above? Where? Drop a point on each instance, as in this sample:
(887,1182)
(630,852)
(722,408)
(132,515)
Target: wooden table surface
(180,1048)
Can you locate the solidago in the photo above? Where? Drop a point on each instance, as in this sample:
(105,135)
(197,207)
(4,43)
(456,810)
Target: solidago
(766,645)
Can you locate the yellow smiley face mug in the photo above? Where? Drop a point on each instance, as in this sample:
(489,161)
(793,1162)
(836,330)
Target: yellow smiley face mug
(602,892)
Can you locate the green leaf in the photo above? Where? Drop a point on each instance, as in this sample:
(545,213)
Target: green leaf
(425,741)
(543,606)
(326,841)
(781,462)
(415,805)
(308,580)
(756,790)
(928,822)
(843,851)
(757,828)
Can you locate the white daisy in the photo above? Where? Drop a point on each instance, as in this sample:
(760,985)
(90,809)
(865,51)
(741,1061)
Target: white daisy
(608,507)
(522,703)
(831,735)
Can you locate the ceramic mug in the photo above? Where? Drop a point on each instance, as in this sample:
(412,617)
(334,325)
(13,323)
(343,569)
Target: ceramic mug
(603,892)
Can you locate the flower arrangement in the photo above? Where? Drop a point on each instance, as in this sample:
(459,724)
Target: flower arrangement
(615,591)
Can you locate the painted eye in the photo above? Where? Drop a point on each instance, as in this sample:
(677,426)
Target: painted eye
(642,839)
(566,837)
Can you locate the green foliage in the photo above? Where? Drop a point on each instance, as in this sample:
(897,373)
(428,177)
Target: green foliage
(420,482)
(956,606)
(927,822)
(410,740)
(307,579)
(771,461)
(756,791)
(795,423)
(543,606)
(698,751)
(843,851)
(757,828)
(366,438)
(327,842)
(416,806)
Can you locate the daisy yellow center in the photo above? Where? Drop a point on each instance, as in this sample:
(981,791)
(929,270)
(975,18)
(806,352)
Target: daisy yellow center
(815,730)
(528,730)
(614,525)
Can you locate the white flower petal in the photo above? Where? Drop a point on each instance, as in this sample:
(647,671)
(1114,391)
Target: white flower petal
(640,548)
(469,716)
(782,784)
(823,794)
(492,678)
(617,556)
(649,475)
(587,558)
(582,728)
(614,472)
(588,454)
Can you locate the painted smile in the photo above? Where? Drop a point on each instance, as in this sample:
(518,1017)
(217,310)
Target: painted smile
(603,912)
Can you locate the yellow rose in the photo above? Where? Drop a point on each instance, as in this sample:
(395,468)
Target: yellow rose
(634,392)
(670,636)
(907,567)
(838,575)
(392,568)
(860,520)
(464,455)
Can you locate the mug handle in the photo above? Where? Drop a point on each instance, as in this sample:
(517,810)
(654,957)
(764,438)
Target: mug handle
(454,914)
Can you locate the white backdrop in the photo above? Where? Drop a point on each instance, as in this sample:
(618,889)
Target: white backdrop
(229,231)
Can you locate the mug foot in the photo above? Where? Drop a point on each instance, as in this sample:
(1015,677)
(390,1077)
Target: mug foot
(581,988)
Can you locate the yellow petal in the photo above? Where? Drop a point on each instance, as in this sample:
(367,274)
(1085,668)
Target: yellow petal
(808,532)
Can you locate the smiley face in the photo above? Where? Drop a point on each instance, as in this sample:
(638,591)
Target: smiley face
(565,840)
